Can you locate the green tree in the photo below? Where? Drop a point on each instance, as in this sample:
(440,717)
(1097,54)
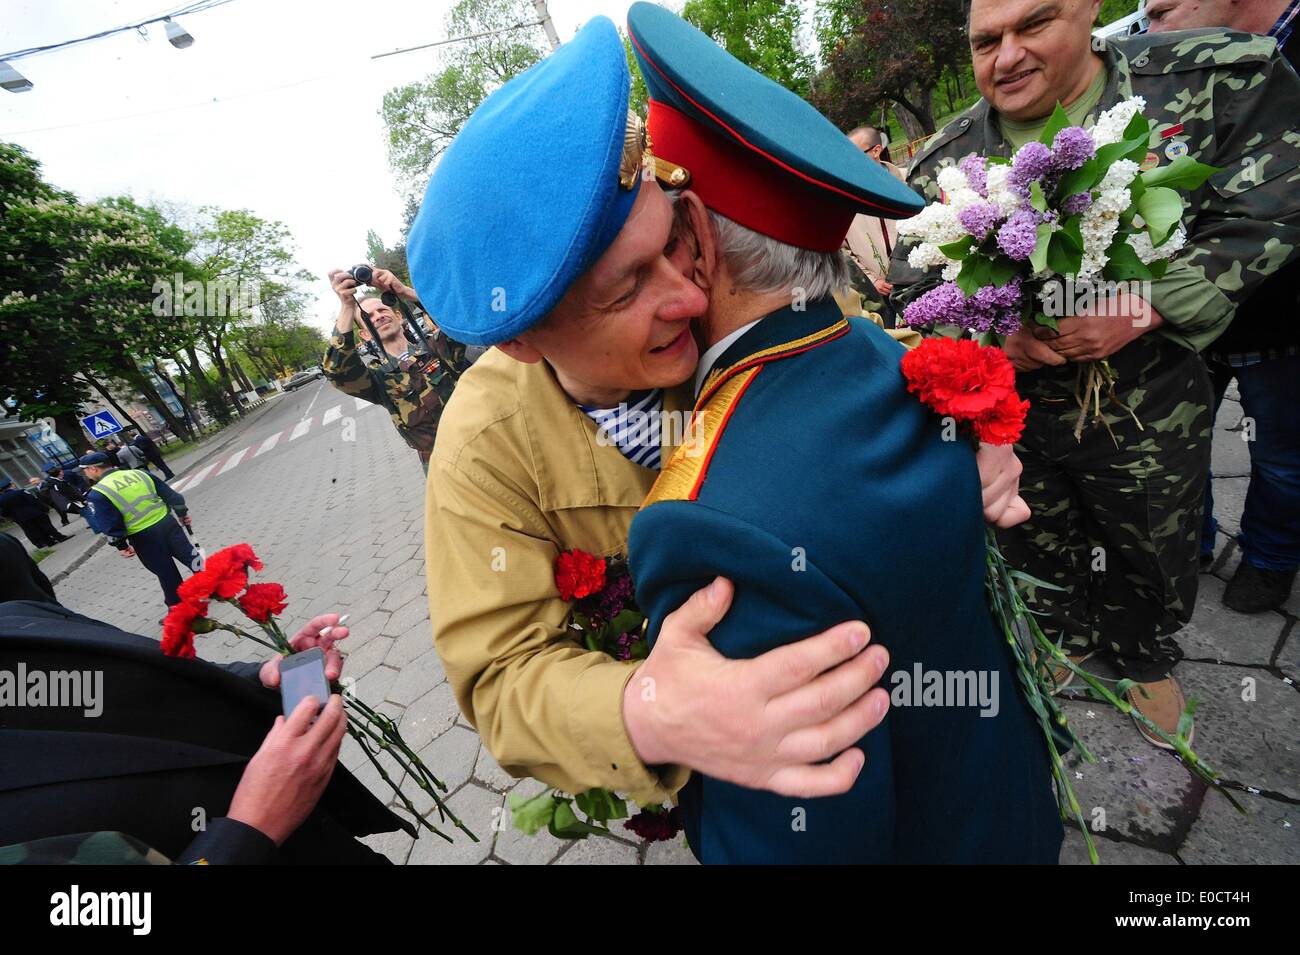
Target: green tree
(423,117)
(879,51)
(762,34)
(76,288)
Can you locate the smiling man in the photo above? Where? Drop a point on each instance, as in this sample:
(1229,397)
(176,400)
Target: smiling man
(1117,512)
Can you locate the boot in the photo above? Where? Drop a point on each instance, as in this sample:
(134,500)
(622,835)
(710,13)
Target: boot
(1254,590)
(1163,704)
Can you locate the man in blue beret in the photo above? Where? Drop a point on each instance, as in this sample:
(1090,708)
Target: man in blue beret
(554,438)
(134,510)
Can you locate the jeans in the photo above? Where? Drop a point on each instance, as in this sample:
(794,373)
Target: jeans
(1270,523)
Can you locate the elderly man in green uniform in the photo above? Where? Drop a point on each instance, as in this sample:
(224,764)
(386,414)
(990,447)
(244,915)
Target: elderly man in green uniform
(414,387)
(1116,512)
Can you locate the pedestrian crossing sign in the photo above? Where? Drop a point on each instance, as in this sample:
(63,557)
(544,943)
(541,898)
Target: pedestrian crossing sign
(101,424)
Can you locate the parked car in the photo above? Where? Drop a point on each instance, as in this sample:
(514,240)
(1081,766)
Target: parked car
(303,377)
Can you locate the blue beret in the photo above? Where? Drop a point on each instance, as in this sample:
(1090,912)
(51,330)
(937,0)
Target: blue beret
(96,459)
(51,468)
(757,153)
(528,195)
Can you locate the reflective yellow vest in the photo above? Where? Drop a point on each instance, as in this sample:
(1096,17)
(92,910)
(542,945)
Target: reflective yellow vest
(135,495)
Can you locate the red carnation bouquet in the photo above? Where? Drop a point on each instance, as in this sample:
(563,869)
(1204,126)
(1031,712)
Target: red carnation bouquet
(974,386)
(604,617)
(224,579)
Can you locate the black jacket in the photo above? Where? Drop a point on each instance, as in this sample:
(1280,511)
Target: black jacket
(168,748)
(19,506)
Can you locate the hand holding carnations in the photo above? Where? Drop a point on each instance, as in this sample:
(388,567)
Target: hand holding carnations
(1089,337)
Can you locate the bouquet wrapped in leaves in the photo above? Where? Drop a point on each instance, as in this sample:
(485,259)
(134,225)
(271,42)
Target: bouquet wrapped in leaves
(975,386)
(605,617)
(224,579)
(1065,220)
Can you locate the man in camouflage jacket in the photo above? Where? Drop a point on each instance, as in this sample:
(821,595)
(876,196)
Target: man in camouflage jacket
(413,386)
(1117,511)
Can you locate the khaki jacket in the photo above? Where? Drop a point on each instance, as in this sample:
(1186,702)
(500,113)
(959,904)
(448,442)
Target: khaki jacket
(518,475)
(871,239)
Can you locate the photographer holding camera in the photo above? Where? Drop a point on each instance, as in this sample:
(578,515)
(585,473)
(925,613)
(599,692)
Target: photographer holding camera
(411,374)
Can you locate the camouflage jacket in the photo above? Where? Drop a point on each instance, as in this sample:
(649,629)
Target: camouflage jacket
(1229,100)
(414,392)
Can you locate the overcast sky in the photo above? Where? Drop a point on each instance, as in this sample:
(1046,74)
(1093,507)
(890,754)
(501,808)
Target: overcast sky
(274,108)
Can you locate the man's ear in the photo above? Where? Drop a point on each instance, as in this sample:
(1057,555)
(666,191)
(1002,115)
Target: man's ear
(520,350)
(705,237)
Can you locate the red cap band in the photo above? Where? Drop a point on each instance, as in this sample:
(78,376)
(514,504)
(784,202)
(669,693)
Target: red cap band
(747,186)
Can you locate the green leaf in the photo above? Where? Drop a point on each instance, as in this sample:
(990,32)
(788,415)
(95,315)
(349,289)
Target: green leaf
(601,804)
(1065,251)
(1123,686)
(1183,173)
(566,825)
(1136,189)
(529,815)
(1047,321)
(1123,264)
(1003,270)
(1038,260)
(1158,268)
(1036,197)
(1107,156)
(1083,179)
(1162,209)
(1139,127)
(959,249)
(627,621)
(976,272)
(997,161)
(1058,121)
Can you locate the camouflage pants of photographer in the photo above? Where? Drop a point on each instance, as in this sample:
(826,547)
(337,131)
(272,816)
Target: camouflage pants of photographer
(1116,519)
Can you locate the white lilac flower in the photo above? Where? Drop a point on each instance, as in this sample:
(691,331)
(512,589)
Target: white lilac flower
(936,224)
(1000,193)
(952,179)
(1119,175)
(1111,124)
(951,271)
(927,256)
(1148,253)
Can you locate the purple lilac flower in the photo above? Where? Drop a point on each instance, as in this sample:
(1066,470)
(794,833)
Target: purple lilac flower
(1019,236)
(996,307)
(944,305)
(976,174)
(1076,203)
(1032,163)
(1072,148)
(616,596)
(980,219)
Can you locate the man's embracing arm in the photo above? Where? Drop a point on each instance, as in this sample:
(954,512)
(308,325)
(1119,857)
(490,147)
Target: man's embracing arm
(544,705)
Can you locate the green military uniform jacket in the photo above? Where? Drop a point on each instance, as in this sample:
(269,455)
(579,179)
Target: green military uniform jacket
(517,475)
(414,393)
(1226,99)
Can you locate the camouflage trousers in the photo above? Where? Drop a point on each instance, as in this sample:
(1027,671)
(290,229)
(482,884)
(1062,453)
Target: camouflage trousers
(1116,514)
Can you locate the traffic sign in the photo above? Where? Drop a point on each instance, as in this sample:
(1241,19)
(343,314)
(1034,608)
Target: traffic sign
(101,424)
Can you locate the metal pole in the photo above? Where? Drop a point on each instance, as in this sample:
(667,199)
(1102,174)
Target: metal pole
(544,16)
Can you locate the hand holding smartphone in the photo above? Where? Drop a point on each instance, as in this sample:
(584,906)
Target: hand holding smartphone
(303,675)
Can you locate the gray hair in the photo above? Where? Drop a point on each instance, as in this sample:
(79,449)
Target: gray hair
(761,264)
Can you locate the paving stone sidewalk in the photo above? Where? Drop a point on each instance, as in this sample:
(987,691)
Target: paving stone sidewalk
(339,523)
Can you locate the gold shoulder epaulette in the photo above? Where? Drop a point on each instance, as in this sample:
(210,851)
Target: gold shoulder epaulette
(683,475)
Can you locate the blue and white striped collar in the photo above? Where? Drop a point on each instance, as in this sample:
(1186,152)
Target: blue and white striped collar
(634,426)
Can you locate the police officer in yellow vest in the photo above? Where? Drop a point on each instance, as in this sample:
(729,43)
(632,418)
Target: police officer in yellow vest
(133,509)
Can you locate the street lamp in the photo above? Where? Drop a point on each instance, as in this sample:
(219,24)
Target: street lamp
(12,80)
(176,34)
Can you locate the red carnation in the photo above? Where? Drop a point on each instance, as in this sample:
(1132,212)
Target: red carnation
(261,601)
(958,377)
(198,587)
(579,574)
(1005,423)
(655,826)
(178,628)
(228,570)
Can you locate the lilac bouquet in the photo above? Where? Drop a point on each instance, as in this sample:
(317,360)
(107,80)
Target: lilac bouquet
(1064,220)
